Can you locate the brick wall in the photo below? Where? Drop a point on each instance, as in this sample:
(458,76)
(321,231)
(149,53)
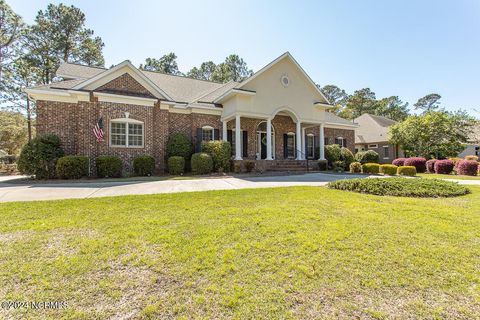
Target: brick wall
(125,84)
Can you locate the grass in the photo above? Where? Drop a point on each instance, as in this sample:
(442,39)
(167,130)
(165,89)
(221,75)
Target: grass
(447,176)
(300,252)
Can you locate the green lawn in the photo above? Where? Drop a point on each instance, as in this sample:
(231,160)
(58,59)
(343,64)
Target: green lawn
(302,252)
(447,176)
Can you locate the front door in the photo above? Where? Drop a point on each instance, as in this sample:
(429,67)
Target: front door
(263,145)
(289,146)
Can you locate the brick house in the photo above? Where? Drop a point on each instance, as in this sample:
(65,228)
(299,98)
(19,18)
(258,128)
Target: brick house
(279,111)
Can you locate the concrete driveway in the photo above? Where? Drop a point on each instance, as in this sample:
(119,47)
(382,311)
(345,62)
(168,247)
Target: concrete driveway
(52,191)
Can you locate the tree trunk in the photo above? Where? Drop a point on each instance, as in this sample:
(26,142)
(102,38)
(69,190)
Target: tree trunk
(29,120)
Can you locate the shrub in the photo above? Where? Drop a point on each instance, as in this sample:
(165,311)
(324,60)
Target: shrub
(322,165)
(201,163)
(355,167)
(249,165)
(388,169)
(443,166)
(39,156)
(346,156)
(455,161)
(338,166)
(220,151)
(178,144)
(237,167)
(72,167)
(431,165)
(399,162)
(475,158)
(419,163)
(401,187)
(409,171)
(109,166)
(467,168)
(368,156)
(144,165)
(371,168)
(176,165)
(332,153)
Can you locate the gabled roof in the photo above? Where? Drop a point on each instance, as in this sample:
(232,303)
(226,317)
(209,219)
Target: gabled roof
(372,128)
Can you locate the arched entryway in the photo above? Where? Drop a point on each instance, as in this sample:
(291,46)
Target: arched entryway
(261,141)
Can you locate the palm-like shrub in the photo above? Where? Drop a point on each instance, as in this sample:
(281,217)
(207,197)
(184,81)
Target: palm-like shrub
(419,163)
(388,169)
(467,168)
(399,162)
(443,166)
(368,156)
(431,165)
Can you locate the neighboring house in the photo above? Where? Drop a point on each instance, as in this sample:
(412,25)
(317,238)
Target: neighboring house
(473,144)
(278,113)
(372,134)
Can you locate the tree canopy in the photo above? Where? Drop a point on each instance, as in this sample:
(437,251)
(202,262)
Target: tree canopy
(233,68)
(11,26)
(204,72)
(166,64)
(430,102)
(13,131)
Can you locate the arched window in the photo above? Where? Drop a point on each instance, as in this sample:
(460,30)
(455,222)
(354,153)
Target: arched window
(126,133)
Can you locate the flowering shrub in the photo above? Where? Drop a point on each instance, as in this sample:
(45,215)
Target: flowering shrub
(443,166)
(455,161)
(467,168)
(430,165)
(419,163)
(399,162)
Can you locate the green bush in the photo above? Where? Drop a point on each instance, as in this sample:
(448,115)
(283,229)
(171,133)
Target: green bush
(371,168)
(332,153)
(409,171)
(220,151)
(144,165)
(109,167)
(178,144)
(338,166)
(401,187)
(388,169)
(346,156)
(72,167)
(237,167)
(176,165)
(249,165)
(39,156)
(201,163)
(355,167)
(368,156)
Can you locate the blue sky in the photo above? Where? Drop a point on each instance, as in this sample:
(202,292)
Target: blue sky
(407,48)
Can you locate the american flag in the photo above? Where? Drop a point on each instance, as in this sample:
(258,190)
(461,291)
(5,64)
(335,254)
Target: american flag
(98,130)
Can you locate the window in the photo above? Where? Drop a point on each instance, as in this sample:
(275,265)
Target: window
(310,146)
(386,152)
(372,146)
(207,133)
(342,142)
(126,133)
(325,140)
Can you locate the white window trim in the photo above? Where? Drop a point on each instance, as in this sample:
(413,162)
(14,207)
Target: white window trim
(209,128)
(388,152)
(127,121)
(373,146)
(313,146)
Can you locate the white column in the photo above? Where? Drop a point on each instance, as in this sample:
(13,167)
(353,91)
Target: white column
(238,145)
(304,154)
(322,143)
(224,131)
(269,139)
(299,140)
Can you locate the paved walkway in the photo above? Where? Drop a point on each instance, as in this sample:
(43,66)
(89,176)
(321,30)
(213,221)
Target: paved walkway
(52,191)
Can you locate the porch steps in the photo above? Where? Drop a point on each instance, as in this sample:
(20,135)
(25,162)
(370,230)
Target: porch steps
(288,165)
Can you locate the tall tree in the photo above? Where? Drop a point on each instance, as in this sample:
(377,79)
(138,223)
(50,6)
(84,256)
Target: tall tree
(336,96)
(430,102)
(362,101)
(392,108)
(434,133)
(205,71)
(10,30)
(233,68)
(166,64)
(13,131)
(59,35)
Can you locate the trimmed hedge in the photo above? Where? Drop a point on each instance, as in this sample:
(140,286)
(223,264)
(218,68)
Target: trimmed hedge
(109,166)
(178,144)
(399,162)
(388,169)
(220,151)
(409,171)
(72,167)
(419,163)
(368,156)
(371,168)
(443,166)
(430,164)
(176,165)
(355,167)
(144,165)
(39,156)
(401,187)
(201,163)
(475,158)
(467,168)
